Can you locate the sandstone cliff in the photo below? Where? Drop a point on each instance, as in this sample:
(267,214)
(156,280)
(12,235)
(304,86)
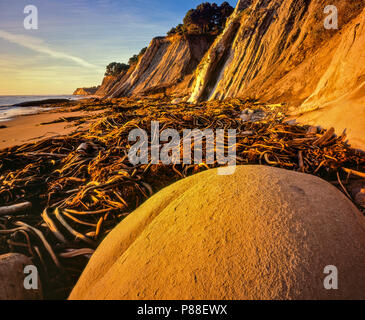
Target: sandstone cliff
(106,85)
(339,97)
(109,84)
(168,64)
(280,51)
(275,51)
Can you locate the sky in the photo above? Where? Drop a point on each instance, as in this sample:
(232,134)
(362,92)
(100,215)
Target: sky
(76,39)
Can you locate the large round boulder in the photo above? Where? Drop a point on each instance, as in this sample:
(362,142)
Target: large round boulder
(261,233)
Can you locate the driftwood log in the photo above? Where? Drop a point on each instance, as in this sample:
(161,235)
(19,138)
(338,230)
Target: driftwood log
(15,209)
(354,172)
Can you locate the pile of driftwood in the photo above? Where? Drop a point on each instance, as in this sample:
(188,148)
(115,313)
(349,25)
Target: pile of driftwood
(60,197)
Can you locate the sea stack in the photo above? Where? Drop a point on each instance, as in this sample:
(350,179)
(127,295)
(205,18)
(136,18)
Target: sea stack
(261,233)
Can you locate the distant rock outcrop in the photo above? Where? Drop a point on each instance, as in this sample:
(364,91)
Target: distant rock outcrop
(85,91)
(261,233)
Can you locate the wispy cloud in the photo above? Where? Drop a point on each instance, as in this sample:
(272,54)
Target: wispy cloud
(40,46)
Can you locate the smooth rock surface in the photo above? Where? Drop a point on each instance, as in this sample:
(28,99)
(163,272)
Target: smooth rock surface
(262,233)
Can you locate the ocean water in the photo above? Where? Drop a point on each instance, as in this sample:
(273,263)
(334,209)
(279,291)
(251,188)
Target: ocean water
(7,112)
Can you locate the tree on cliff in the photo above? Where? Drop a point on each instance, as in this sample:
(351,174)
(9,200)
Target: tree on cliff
(202,18)
(143,51)
(206,18)
(180,29)
(134,59)
(225,10)
(115,68)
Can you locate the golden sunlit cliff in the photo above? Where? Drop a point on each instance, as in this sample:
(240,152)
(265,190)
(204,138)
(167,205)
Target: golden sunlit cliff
(274,51)
(280,51)
(168,64)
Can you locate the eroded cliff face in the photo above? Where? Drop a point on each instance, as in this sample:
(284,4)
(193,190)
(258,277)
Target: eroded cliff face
(276,51)
(106,85)
(339,97)
(168,64)
(279,51)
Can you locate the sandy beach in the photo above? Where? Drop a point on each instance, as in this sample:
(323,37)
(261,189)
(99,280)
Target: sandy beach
(30,128)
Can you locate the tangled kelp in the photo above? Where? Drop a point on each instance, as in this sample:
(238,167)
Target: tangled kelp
(73,190)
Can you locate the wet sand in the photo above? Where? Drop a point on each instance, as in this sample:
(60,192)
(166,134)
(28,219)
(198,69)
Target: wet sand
(28,128)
